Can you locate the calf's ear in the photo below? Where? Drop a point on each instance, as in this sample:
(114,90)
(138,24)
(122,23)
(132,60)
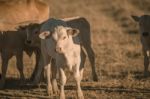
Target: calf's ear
(73,31)
(21,28)
(136,18)
(44,35)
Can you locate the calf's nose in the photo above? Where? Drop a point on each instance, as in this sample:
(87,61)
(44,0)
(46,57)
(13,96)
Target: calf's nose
(58,49)
(145,34)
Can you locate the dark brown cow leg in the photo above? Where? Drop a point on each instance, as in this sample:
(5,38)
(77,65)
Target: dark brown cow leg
(5,58)
(39,72)
(37,56)
(19,59)
(91,57)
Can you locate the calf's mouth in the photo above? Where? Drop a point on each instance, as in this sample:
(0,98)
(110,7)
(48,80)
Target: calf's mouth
(145,34)
(28,42)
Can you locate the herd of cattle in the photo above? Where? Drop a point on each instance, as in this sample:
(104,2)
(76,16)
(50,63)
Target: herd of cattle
(58,44)
(62,44)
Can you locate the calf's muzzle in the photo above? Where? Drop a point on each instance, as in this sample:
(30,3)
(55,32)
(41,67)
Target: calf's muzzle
(28,42)
(145,34)
(58,49)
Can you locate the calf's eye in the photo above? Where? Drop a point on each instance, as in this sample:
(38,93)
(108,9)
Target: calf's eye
(64,38)
(36,32)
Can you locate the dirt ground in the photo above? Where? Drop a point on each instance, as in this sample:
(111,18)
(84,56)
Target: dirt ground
(116,42)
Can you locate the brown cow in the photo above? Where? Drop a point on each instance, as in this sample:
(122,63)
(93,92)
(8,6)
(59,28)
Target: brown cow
(13,12)
(144,29)
(76,22)
(12,43)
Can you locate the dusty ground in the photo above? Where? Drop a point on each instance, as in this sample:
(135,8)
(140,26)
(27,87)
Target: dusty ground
(115,38)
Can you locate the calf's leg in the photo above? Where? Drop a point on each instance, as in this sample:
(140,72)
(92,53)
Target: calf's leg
(54,73)
(36,66)
(62,82)
(91,57)
(47,69)
(19,59)
(48,75)
(5,58)
(146,62)
(36,71)
(78,77)
(83,59)
(39,72)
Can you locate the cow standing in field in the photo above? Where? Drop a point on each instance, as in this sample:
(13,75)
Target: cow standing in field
(61,43)
(144,28)
(12,43)
(75,22)
(14,13)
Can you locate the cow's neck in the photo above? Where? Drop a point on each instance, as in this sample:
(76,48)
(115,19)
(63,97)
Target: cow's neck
(30,2)
(72,55)
(71,48)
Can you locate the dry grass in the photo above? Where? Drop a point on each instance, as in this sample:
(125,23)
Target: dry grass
(119,60)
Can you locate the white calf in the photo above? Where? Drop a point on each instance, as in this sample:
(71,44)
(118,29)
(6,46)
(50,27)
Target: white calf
(62,44)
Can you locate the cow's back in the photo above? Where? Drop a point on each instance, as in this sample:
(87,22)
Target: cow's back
(12,40)
(13,12)
(15,41)
(83,25)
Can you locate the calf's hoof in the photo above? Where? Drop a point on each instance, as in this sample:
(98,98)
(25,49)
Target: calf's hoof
(95,78)
(80,97)
(62,96)
(49,91)
(56,91)
(32,77)
(35,81)
(146,74)
(2,84)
